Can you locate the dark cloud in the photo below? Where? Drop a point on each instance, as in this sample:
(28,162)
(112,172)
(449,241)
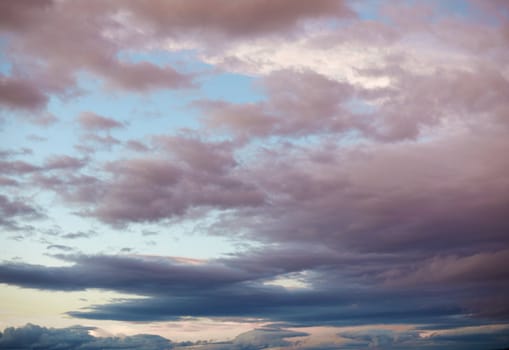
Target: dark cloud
(340,289)
(265,338)
(116,272)
(79,337)
(312,308)
(471,339)
(35,337)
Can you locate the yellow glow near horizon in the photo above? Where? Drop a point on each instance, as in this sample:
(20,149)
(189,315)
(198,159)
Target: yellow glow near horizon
(19,306)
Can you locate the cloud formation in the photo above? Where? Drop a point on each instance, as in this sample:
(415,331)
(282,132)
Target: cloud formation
(350,155)
(36,337)
(92,121)
(16,93)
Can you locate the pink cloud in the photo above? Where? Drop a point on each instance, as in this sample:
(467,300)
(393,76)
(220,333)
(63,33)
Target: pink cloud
(19,93)
(92,121)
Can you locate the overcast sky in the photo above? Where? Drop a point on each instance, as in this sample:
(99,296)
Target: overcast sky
(248,174)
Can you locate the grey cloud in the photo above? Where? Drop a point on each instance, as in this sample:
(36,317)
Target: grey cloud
(35,337)
(79,234)
(116,272)
(15,211)
(340,289)
(265,338)
(31,337)
(60,247)
(470,339)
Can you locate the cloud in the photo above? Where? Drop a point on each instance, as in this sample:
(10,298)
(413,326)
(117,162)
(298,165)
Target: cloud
(52,163)
(78,337)
(35,29)
(79,234)
(162,273)
(442,270)
(64,162)
(371,176)
(247,19)
(60,247)
(107,29)
(137,146)
(342,289)
(18,93)
(36,337)
(19,15)
(93,142)
(14,210)
(302,103)
(187,172)
(299,103)
(92,121)
(265,338)
(380,198)
(17,167)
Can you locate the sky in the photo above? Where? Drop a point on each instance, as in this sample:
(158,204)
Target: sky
(254,174)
